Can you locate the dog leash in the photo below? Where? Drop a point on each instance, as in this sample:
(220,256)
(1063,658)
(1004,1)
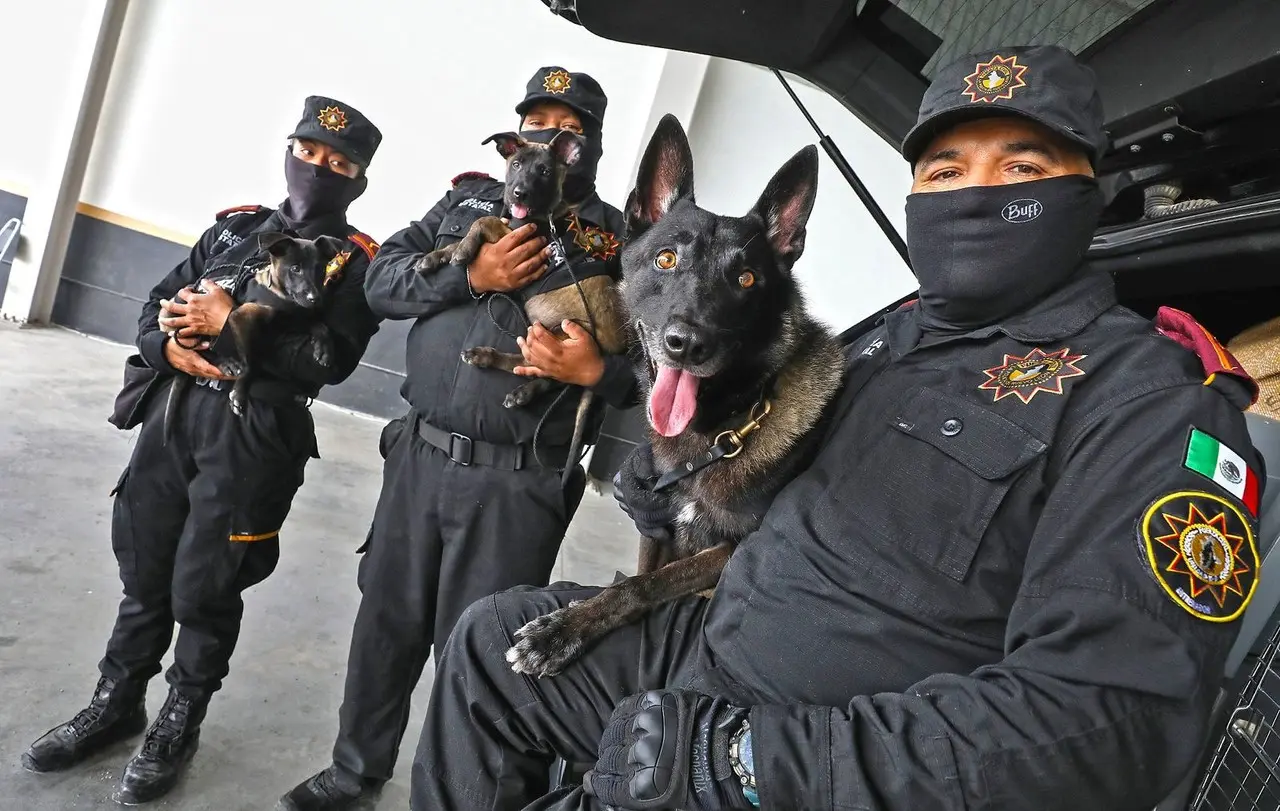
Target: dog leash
(726,445)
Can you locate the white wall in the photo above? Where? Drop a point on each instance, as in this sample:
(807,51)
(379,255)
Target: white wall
(205,91)
(746,127)
(36,41)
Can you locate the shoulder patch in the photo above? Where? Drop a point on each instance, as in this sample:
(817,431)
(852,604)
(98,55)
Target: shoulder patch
(1201,550)
(228,212)
(465,176)
(366,244)
(1188,333)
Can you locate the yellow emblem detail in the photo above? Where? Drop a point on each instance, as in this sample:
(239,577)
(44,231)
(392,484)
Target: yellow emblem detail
(995,80)
(557,82)
(1201,548)
(333,119)
(595,242)
(1024,377)
(334,269)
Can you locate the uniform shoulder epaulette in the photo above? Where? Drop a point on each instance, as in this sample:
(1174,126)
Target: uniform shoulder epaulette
(227,212)
(366,243)
(465,176)
(1217,361)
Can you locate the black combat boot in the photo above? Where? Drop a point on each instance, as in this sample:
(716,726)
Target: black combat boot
(169,746)
(330,790)
(116,712)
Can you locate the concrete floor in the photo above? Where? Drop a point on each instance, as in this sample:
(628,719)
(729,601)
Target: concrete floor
(273,723)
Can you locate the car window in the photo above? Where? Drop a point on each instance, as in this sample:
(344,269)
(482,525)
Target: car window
(967,26)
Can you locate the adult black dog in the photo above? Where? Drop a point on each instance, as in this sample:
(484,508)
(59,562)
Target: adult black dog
(736,372)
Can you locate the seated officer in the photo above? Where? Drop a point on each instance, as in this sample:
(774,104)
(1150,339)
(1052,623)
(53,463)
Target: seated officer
(471,498)
(197,514)
(1007,580)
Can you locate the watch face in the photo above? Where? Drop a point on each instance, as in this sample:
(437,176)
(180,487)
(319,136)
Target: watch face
(746,756)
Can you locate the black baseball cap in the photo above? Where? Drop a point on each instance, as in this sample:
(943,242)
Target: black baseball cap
(340,126)
(1043,83)
(577,90)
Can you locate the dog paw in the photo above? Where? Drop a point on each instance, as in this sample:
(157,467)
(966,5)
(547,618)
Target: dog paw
(433,261)
(546,645)
(231,366)
(237,403)
(321,353)
(519,398)
(483,356)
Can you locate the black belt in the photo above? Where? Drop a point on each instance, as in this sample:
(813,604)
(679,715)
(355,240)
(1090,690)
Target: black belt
(467,451)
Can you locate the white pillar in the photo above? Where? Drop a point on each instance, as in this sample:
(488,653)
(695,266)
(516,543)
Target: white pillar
(51,209)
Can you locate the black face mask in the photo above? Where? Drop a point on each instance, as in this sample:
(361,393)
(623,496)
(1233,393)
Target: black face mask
(316,192)
(580,181)
(982,254)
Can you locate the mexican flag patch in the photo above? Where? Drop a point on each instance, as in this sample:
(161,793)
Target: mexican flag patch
(1214,460)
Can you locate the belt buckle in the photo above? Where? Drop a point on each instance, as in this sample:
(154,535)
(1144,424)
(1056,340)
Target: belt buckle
(460,449)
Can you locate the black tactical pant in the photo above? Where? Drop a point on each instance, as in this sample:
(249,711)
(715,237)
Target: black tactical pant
(491,734)
(443,536)
(196,522)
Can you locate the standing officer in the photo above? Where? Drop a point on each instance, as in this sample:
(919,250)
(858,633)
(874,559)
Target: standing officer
(1009,579)
(197,518)
(471,497)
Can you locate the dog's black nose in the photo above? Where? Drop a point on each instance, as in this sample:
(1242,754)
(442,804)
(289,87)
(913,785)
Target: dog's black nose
(517,193)
(686,343)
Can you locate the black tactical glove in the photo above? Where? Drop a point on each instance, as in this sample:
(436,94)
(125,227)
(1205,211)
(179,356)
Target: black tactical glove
(669,749)
(653,513)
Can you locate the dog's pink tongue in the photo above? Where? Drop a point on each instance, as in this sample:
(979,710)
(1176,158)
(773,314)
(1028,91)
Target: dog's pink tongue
(518,211)
(673,401)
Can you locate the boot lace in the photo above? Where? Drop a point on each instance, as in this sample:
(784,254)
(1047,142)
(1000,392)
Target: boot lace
(92,714)
(168,727)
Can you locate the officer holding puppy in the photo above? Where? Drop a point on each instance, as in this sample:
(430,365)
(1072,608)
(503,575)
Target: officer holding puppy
(471,500)
(197,517)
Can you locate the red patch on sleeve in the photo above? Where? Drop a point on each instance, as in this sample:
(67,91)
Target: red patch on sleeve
(227,212)
(465,176)
(366,243)
(1214,357)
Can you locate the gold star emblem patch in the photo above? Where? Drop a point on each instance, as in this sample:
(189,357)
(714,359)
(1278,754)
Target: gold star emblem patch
(595,242)
(333,270)
(333,119)
(557,82)
(1201,549)
(995,80)
(1024,377)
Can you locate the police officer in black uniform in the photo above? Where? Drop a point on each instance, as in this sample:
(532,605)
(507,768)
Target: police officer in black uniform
(471,500)
(197,516)
(989,590)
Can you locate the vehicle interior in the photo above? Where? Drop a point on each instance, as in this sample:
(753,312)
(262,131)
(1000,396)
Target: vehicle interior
(1191,92)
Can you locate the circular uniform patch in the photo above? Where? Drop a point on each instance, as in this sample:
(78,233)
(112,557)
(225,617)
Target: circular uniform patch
(1201,549)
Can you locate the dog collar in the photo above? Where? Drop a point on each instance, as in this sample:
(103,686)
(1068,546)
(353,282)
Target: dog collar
(726,445)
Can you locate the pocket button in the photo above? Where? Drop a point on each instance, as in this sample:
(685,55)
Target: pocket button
(952,427)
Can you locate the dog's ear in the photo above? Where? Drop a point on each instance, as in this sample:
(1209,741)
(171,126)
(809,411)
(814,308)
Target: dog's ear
(786,204)
(509,143)
(274,242)
(567,147)
(666,175)
(329,247)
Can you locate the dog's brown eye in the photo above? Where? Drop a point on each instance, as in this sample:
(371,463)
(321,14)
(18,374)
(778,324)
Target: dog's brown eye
(747,279)
(665,260)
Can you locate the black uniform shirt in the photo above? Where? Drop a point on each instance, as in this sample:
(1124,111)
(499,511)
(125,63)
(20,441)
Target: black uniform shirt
(289,358)
(441,387)
(973,599)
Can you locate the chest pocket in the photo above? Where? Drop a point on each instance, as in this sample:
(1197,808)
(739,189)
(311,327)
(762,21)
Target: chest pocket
(458,220)
(955,488)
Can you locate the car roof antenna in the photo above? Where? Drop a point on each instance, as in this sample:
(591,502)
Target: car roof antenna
(851,176)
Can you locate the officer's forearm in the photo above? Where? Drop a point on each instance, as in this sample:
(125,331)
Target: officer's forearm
(396,290)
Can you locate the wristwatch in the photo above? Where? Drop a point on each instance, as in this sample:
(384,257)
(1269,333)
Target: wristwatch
(742,759)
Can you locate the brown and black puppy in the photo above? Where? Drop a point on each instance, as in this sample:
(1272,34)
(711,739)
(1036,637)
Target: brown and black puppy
(534,193)
(729,359)
(292,279)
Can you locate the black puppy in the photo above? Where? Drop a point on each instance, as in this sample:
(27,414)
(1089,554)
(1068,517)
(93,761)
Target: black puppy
(737,374)
(291,279)
(534,194)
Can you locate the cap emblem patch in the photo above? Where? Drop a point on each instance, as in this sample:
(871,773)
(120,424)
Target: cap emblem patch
(333,119)
(557,82)
(995,80)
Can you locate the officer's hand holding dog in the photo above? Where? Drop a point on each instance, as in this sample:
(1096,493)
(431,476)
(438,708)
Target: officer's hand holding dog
(575,360)
(190,361)
(653,513)
(509,264)
(200,312)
